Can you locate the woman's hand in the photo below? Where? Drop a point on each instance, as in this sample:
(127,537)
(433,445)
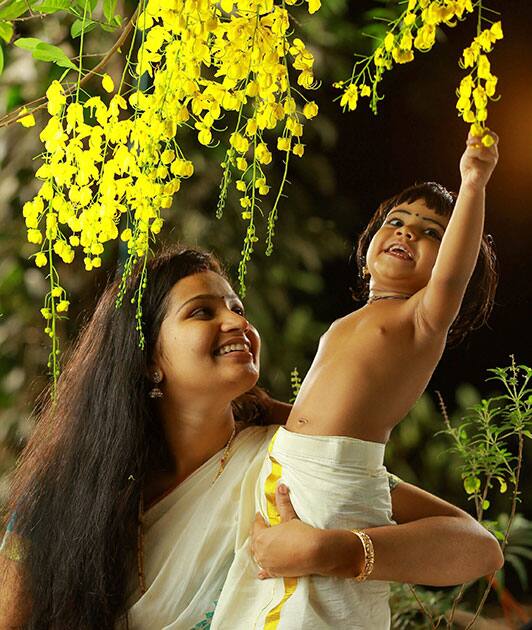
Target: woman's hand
(289,549)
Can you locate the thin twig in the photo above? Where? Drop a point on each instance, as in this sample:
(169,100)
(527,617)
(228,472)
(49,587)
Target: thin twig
(40,103)
(421,605)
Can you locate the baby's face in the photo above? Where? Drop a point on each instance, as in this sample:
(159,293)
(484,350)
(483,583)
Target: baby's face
(403,251)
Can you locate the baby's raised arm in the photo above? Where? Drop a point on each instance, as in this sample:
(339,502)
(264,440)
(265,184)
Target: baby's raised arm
(441,298)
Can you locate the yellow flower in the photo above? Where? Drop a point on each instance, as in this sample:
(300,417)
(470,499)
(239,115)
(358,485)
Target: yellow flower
(262,153)
(310,110)
(251,127)
(126,235)
(402,56)
(56,98)
(167,156)
(63,305)
(57,292)
(283,144)
(205,136)
(246,215)
(245,202)
(388,41)
(496,30)
(313,5)
(491,86)
(488,140)
(28,120)
(46,313)
(238,141)
(409,18)
(241,163)
(350,97)
(299,149)
(365,90)
(476,130)
(306,79)
(241,185)
(483,67)
(156,226)
(34,236)
(41,260)
(107,83)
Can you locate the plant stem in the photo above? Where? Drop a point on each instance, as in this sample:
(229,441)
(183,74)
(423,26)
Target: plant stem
(507,533)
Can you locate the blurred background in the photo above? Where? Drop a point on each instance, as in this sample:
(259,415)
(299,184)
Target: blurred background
(352,162)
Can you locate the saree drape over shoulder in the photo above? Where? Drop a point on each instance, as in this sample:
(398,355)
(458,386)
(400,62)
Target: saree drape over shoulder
(190,537)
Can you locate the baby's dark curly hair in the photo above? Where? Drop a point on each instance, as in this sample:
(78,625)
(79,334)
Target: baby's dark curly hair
(479,297)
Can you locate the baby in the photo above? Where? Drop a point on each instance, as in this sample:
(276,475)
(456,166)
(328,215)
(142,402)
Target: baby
(421,249)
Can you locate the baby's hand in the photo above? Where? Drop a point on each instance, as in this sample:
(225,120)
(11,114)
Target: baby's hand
(478,161)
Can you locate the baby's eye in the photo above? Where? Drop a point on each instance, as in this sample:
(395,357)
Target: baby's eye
(395,222)
(433,234)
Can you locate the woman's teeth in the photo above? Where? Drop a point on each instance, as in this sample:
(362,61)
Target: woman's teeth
(231,348)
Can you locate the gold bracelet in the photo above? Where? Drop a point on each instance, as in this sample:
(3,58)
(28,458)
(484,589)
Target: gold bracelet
(369,555)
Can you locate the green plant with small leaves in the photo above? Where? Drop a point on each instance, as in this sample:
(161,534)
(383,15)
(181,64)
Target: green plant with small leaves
(490,441)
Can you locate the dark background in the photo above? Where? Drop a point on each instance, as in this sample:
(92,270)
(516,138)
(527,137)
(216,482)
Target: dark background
(417,137)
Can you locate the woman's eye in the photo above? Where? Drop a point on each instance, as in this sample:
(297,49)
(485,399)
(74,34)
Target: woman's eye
(202,312)
(239,310)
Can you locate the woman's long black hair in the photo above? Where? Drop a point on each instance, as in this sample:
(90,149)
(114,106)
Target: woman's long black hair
(75,493)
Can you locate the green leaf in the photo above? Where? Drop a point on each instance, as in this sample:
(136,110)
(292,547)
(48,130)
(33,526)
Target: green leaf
(14,10)
(91,5)
(1,59)
(82,26)
(52,6)
(109,7)
(28,43)
(47,52)
(6,31)
(471,484)
(485,504)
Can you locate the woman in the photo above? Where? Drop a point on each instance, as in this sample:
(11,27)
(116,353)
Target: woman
(138,482)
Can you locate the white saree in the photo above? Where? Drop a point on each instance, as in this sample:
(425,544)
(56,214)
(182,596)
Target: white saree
(198,568)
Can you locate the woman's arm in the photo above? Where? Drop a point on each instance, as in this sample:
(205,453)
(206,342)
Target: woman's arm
(434,543)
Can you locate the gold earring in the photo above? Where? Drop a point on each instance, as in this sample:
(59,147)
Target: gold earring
(156,392)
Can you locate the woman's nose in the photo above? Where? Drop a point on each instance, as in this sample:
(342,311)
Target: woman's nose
(235,321)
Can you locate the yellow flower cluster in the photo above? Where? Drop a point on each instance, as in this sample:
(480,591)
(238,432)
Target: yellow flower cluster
(246,46)
(107,173)
(414,29)
(479,86)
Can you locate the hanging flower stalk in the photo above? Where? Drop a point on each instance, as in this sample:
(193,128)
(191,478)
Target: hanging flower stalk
(415,29)
(479,86)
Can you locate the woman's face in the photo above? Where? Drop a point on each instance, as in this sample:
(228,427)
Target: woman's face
(205,345)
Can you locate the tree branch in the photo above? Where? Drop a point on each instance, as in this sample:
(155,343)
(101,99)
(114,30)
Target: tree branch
(40,103)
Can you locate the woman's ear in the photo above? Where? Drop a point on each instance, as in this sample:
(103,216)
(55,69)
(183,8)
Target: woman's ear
(155,374)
